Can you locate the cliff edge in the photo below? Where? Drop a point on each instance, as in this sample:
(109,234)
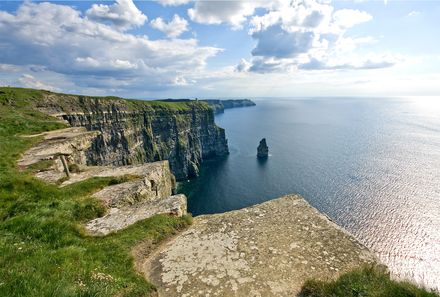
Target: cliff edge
(135,131)
(269,249)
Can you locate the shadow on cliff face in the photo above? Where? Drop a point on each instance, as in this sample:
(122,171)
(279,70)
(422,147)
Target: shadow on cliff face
(211,172)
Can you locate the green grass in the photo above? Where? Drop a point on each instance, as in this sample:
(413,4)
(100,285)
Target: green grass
(42,165)
(368,281)
(43,248)
(44,251)
(25,97)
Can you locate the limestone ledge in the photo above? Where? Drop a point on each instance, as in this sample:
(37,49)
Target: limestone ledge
(72,142)
(148,191)
(120,218)
(269,249)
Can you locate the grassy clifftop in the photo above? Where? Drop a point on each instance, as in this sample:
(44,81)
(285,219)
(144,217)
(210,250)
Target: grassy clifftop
(22,97)
(43,250)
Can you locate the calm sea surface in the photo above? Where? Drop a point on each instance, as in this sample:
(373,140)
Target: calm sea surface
(372,165)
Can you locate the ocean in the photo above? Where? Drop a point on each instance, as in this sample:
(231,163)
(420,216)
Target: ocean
(371,164)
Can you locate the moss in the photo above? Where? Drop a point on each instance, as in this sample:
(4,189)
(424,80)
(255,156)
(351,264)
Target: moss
(74,168)
(42,165)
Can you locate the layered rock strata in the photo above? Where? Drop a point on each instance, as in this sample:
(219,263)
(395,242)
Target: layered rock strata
(136,132)
(148,190)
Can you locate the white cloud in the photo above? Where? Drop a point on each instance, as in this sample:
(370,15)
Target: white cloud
(123,14)
(370,61)
(28,81)
(217,12)
(57,39)
(306,34)
(8,67)
(347,18)
(172,29)
(414,13)
(173,2)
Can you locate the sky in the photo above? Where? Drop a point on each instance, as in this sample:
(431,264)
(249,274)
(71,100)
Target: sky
(222,49)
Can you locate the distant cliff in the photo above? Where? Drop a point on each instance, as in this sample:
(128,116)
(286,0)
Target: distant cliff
(219,106)
(135,131)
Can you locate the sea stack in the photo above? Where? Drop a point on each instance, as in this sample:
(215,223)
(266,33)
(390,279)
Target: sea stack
(263,149)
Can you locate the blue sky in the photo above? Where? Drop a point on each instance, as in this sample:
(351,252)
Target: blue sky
(182,48)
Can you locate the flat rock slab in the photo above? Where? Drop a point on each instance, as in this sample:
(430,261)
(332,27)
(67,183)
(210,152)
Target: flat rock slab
(265,250)
(120,218)
(62,141)
(140,170)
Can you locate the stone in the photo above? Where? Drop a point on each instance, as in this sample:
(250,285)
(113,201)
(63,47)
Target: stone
(148,188)
(263,149)
(230,254)
(130,132)
(120,218)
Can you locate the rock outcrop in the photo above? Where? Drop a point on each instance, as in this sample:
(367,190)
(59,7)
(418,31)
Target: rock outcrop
(141,191)
(262,149)
(120,218)
(135,132)
(266,250)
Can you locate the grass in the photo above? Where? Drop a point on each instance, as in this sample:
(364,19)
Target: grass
(43,248)
(42,165)
(44,251)
(25,97)
(368,281)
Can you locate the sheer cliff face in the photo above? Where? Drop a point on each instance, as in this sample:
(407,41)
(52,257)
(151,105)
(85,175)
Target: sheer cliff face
(134,132)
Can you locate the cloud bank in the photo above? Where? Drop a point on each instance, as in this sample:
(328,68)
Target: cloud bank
(58,47)
(306,35)
(95,50)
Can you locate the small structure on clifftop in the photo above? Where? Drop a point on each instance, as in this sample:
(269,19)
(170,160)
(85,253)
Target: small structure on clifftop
(263,149)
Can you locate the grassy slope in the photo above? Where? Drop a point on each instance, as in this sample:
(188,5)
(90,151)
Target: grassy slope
(365,281)
(43,251)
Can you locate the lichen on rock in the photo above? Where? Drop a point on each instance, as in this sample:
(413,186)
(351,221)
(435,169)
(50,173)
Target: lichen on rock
(269,249)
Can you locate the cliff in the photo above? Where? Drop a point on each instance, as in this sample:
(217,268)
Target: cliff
(135,131)
(219,106)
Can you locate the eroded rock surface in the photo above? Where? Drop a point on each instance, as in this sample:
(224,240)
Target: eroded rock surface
(265,250)
(120,218)
(69,141)
(135,131)
(147,192)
